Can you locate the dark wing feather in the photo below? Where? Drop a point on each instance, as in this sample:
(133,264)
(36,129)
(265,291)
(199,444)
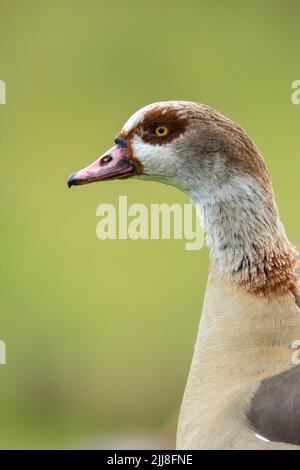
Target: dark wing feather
(275,407)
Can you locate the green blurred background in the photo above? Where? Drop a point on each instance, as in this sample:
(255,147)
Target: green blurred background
(100,334)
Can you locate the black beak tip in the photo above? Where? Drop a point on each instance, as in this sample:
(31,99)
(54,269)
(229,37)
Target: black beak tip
(71,180)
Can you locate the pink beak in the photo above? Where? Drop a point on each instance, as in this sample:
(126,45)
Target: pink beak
(113,164)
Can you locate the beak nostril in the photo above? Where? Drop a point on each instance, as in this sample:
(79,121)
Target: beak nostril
(105,160)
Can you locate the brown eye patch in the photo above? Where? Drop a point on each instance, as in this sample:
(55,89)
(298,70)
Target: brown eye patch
(158,119)
(170,118)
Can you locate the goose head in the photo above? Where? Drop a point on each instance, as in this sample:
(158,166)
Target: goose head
(212,159)
(184,144)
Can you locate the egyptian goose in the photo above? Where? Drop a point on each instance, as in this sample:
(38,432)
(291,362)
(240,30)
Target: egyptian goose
(243,390)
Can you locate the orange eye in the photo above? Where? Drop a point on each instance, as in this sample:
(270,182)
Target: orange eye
(161,131)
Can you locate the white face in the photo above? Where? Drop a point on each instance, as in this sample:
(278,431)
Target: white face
(160,158)
(159,161)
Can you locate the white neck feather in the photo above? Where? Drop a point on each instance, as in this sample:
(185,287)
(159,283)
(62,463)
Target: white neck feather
(243,229)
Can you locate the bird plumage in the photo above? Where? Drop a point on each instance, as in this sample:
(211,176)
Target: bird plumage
(242,369)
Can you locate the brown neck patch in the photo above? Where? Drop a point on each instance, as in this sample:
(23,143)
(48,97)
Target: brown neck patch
(273,273)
